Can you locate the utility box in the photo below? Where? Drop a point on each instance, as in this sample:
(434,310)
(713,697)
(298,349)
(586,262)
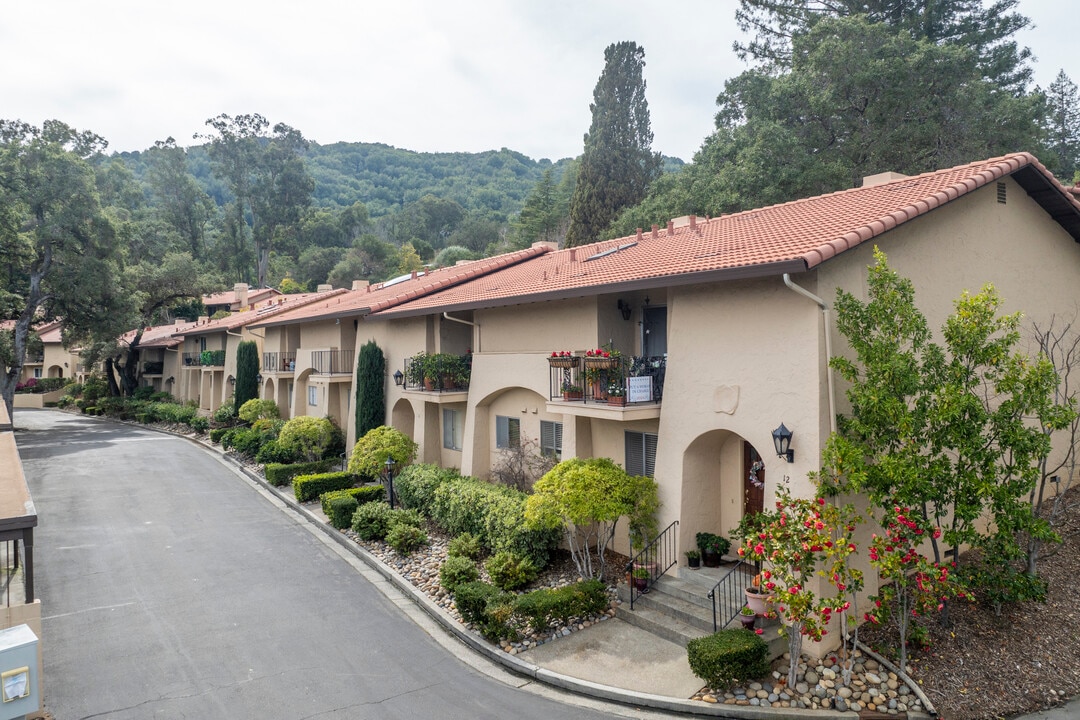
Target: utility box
(20,692)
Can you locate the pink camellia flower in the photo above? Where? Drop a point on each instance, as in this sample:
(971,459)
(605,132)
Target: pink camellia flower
(821,501)
(758,631)
(759,549)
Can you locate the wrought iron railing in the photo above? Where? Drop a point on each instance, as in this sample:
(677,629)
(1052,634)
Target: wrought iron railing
(598,379)
(153,367)
(213,358)
(279,361)
(437,372)
(16,587)
(192,359)
(728,596)
(652,562)
(331,362)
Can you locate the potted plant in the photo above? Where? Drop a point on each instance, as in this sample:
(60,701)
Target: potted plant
(747,617)
(756,599)
(616,394)
(641,578)
(414,370)
(563,359)
(693,558)
(570,391)
(712,548)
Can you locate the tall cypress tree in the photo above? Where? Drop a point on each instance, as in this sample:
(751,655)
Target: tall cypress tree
(618,163)
(370,393)
(247,372)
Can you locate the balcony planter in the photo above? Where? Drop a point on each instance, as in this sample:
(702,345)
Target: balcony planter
(564,362)
(572,394)
(599,362)
(619,400)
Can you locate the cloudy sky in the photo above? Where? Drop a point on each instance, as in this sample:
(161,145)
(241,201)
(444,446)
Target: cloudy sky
(418,74)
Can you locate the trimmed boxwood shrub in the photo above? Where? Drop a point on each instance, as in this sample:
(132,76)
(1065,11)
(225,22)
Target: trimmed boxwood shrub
(489,609)
(340,505)
(415,486)
(278,474)
(729,655)
(540,608)
(510,572)
(465,545)
(273,452)
(199,424)
(310,487)
(217,433)
(309,437)
(457,571)
(405,538)
(371,521)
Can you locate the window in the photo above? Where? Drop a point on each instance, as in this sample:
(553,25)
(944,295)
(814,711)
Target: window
(640,453)
(453,428)
(37,372)
(313,395)
(507,432)
(551,439)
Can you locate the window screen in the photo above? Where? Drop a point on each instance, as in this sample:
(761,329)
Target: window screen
(640,453)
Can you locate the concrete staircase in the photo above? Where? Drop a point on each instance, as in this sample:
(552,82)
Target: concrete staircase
(677,608)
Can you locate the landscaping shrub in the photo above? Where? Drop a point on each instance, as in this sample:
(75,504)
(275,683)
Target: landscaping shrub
(415,485)
(258,409)
(465,545)
(268,426)
(509,571)
(339,508)
(488,609)
(272,452)
(281,474)
(456,571)
(217,433)
(361,495)
(225,415)
(73,390)
(405,538)
(310,487)
(371,451)
(307,436)
(336,448)
(199,424)
(245,441)
(371,521)
(729,655)
(541,608)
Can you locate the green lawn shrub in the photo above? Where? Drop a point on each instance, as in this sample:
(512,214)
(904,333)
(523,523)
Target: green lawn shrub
(309,437)
(257,409)
(729,655)
(199,424)
(272,452)
(310,487)
(415,485)
(244,441)
(278,474)
(372,521)
(509,571)
(405,538)
(456,571)
(465,545)
(217,433)
(489,609)
(225,415)
(339,506)
(546,606)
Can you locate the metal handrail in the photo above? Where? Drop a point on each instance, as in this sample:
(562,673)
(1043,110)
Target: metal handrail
(659,551)
(729,590)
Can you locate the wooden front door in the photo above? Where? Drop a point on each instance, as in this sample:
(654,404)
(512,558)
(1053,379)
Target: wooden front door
(753,481)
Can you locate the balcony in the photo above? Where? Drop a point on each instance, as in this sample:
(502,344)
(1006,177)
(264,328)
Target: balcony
(34,358)
(153,367)
(279,362)
(332,362)
(623,387)
(206,358)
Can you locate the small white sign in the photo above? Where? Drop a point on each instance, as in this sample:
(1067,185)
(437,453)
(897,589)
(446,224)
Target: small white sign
(639,389)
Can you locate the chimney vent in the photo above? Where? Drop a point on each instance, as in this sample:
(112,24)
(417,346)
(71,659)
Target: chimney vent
(670,227)
(573,254)
(324,288)
(359,284)
(654,231)
(693,223)
(639,234)
(240,294)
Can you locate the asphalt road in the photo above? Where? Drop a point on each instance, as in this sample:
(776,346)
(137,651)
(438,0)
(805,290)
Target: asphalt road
(173,588)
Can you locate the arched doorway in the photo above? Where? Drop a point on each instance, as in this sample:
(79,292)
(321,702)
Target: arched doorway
(403,419)
(717,489)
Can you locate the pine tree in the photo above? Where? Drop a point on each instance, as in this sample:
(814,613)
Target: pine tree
(618,163)
(1064,126)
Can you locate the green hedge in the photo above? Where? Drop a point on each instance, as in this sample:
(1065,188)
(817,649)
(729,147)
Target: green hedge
(493,513)
(310,487)
(340,505)
(541,608)
(727,656)
(457,571)
(278,474)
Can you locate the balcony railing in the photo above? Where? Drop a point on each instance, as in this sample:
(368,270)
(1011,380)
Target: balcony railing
(34,358)
(153,367)
(279,362)
(331,362)
(599,379)
(206,358)
(438,372)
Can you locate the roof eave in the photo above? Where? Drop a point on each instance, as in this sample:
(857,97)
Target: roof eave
(744,272)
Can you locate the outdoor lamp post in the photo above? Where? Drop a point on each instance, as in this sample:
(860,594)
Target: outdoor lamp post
(781,438)
(389,465)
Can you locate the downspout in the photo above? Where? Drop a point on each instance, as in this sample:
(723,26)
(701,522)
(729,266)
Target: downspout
(828,345)
(466,322)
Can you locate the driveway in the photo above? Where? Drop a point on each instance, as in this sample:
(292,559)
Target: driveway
(173,587)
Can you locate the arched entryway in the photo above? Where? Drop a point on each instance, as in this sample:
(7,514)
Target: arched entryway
(721,482)
(403,419)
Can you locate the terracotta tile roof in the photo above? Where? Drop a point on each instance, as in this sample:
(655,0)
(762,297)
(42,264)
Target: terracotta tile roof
(267,308)
(376,298)
(159,336)
(791,237)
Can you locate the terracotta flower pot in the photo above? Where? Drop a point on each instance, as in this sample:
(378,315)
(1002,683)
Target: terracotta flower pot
(757,602)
